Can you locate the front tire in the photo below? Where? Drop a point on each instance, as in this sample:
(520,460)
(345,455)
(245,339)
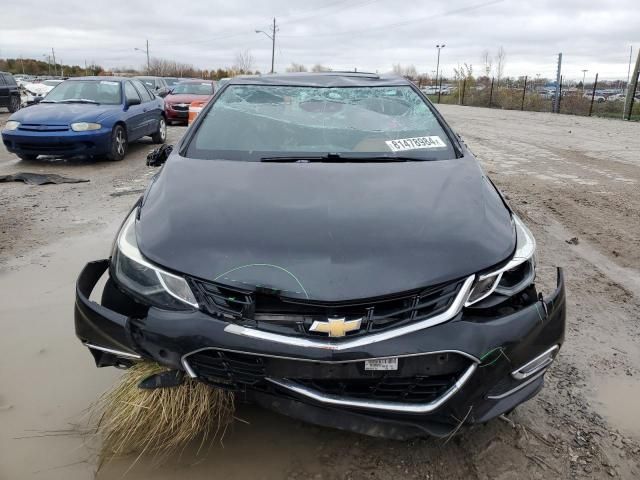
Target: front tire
(14,104)
(118,144)
(161,135)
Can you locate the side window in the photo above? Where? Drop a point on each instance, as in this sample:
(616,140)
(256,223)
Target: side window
(1,78)
(130,93)
(144,93)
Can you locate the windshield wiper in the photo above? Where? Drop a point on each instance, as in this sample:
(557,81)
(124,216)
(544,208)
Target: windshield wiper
(338,158)
(78,100)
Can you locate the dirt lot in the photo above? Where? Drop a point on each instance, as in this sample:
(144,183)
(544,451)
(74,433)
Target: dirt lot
(576,180)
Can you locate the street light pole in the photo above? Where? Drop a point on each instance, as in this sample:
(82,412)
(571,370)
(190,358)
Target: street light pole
(48,62)
(147,52)
(272,37)
(55,69)
(439,47)
(584,73)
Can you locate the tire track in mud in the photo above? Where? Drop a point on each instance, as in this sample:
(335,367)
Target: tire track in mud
(582,205)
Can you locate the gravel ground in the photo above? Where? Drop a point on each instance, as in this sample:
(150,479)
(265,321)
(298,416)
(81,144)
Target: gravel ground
(574,179)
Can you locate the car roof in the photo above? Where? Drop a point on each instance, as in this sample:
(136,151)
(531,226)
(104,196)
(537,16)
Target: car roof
(323,79)
(196,80)
(98,77)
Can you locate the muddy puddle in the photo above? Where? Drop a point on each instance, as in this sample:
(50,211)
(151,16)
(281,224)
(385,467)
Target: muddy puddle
(618,399)
(47,381)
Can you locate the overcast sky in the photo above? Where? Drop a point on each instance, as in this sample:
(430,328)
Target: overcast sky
(342,34)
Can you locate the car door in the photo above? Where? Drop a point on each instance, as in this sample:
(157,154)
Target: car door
(4,92)
(136,113)
(150,104)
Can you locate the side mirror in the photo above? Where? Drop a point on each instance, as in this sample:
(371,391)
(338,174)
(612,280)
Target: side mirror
(133,101)
(158,156)
(37,99)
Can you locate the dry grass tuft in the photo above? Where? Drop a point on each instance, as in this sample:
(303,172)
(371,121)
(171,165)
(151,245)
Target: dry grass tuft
(160,421)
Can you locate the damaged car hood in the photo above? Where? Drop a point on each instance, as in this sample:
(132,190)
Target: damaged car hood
(325,231)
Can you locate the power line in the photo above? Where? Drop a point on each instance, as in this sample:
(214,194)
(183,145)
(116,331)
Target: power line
(346,7)
(399,24)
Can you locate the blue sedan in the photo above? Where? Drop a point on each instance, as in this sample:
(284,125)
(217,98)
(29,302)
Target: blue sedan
(88,116)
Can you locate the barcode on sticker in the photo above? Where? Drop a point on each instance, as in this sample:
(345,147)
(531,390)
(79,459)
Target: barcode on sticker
(415,143)
(381,364)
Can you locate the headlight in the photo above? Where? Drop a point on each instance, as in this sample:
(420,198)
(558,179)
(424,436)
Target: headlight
(84,126)
(144,280)
(11,125)
(516,275)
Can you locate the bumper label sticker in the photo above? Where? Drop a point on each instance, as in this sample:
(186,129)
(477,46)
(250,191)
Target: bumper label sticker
(381,364)
(415,143)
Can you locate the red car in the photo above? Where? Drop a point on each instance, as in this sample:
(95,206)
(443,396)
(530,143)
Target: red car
(176,104)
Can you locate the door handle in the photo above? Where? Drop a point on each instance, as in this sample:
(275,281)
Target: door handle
(144,109)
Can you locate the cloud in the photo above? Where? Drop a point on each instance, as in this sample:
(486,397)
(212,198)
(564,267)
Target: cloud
(343,34)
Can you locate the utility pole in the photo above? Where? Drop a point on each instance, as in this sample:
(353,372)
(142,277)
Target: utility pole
(53,54)
(85,68)
(584,73)
(273,44)
(439,47)
(631,90)
(556,98)
(272,37)
(629,68)
(148,62)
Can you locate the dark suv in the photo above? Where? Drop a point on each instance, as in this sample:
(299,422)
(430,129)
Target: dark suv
(9,92)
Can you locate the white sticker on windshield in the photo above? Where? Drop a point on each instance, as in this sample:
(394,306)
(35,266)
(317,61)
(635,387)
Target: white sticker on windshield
(415,143)
(108,82)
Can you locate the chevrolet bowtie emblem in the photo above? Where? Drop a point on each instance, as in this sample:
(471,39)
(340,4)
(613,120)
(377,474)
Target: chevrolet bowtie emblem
(336,327)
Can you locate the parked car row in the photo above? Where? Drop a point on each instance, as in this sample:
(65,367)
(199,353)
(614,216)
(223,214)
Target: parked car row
(94,116)
(433,90)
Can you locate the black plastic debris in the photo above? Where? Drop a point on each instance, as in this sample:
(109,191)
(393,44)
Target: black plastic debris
(39,178)
(168,379)
(158,156)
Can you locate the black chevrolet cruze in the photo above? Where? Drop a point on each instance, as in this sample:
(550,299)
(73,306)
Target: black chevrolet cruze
(325,246)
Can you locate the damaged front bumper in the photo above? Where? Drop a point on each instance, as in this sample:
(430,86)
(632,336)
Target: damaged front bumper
(467,370)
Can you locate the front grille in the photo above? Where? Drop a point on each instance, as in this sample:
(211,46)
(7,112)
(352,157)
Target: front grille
(388,388)
(419,379)
(232,371)
(180,107)
(37,127)
(270,312)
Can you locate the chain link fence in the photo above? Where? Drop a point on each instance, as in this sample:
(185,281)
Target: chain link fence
(524,94)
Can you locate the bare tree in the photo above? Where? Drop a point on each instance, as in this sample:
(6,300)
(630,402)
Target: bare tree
(409,71)
(501,60)
(296,67)
(320,68)
(163,67)
(487,63)
(464,76)
(244,61)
